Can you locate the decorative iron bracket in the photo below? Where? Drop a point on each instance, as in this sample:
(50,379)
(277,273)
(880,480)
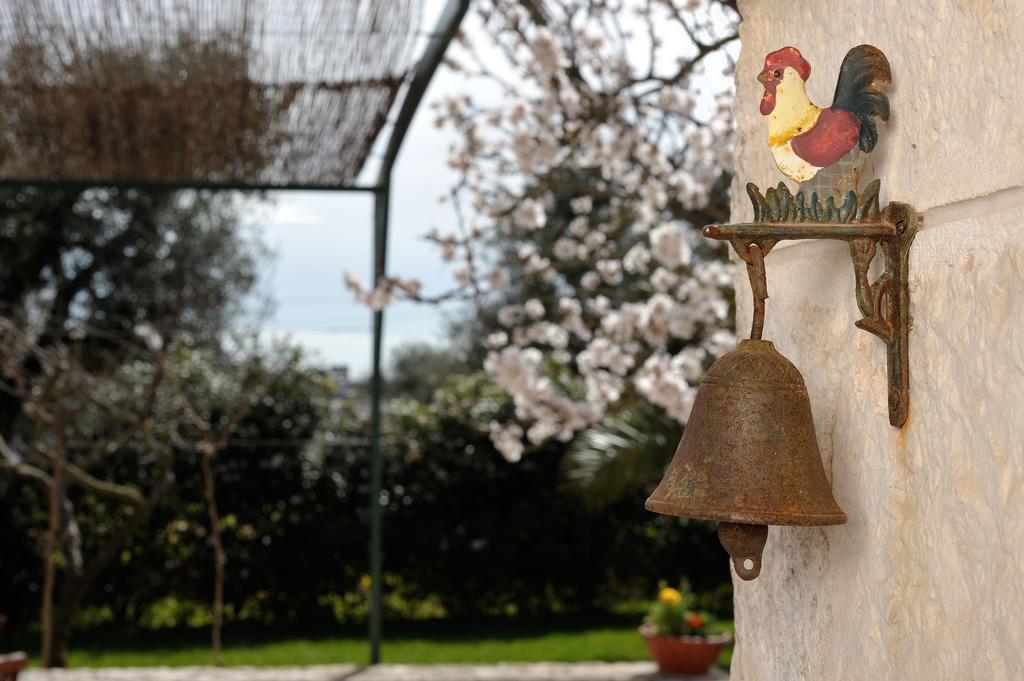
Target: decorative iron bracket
(883,302)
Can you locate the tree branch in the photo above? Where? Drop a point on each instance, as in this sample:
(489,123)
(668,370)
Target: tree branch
(9,461)
(107,489)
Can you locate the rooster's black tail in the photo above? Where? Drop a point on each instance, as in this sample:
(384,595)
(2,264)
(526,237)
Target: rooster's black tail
(864,69)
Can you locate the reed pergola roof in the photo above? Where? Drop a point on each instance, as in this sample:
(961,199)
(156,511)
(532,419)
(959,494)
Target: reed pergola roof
(234,93)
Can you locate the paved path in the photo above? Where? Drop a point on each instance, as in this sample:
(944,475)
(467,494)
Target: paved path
(588,671)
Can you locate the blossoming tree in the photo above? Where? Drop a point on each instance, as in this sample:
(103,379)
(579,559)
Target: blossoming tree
(583,183)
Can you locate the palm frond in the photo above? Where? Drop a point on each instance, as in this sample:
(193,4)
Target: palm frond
(620,456)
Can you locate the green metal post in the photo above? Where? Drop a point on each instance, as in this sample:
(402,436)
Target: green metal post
(447,28)
(381,199)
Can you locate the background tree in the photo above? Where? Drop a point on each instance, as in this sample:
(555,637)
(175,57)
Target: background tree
(78,417)
(581,193)
(93,265)
(215,401)
(274,501)
(95,284)
(418,369)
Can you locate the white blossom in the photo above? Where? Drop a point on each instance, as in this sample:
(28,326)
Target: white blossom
(670,245)
(534,308)
(380,297)
(517,111)
(510,315)
(547,51)
(564,249)
(579,227)
(530,215)
(582,204)
(629,149)
(594,239)
(496,340)
(610,271)
(448,251)
(539,266)
(663,280)
(637,259)
(601,353)
(690,363)
(354,285)
(590,281)
(666,387)
(497,279)
(720,342)
(508,439)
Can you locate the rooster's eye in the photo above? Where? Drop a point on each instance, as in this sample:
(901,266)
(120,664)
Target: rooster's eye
(775,73)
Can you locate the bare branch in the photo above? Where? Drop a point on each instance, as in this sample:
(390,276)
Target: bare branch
(112,490)
(10,461)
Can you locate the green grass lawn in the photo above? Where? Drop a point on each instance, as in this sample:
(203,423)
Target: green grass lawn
(412,643)
(593,644)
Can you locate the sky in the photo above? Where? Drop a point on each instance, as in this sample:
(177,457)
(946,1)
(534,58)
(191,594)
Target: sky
(318,237)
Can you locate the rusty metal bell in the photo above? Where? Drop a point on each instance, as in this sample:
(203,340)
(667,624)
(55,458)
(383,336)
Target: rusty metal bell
(749,457)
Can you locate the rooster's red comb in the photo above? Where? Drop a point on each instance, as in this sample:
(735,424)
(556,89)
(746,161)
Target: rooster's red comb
(788,56)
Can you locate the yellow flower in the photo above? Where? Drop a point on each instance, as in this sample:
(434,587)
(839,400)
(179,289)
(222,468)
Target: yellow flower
(670,596)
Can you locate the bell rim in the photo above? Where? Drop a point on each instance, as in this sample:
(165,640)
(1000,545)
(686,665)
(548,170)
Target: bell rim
(747,517)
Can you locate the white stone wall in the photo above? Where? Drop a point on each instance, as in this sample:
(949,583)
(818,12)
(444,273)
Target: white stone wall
(926,581)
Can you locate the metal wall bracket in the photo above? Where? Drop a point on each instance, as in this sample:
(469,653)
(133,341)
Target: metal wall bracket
(884,302)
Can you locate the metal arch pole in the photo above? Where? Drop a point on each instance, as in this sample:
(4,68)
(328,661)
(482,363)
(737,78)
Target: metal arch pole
(381,206)
(447,28)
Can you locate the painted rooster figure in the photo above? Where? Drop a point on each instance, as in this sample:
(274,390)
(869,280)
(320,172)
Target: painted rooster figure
(803,138)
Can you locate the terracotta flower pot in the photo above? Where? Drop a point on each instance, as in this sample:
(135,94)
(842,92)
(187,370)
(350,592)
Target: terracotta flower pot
(691,655)
(10,665)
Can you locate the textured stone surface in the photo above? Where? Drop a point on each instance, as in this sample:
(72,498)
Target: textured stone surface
(588,671)
(926,581)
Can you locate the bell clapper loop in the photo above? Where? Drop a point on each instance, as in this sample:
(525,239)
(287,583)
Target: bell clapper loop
(745,543)
(753,253)
(759,286)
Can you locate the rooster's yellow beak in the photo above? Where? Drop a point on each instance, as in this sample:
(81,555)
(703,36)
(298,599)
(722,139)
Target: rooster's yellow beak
(763,77)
